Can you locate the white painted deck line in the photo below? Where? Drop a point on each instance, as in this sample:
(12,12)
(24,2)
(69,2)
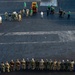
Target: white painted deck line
(50,2)
(31,33)
(43,42)
(1,34)
(63,33)
(64,36)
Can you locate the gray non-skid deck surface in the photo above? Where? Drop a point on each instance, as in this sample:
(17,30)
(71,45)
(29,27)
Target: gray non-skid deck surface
(51,37)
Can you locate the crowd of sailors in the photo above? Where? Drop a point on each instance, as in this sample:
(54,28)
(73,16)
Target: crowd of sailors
(33,64)
(17,16)
(51,10)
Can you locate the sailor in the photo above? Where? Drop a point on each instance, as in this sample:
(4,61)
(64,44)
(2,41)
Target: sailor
(63,13)
(41,64)
(37,64)
(18,64)
(69,14)
(2,67)
(23,11)
(54,65)
(10,16)
(47,12)
(0,19)
(52,10)
(49,7)
(46,64)
(6,16)
(41,14)
(12,67)
(15,15)
(58,65)
(23,63)
(7,67)
(60,12)
(31,12)
(25,5)
(32,64)
(63,65)
(19,17)
(28,63)
(72,65)
(67,66)
(27,12)
(50,65)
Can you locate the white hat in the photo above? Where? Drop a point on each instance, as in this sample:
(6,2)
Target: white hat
(62,60)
